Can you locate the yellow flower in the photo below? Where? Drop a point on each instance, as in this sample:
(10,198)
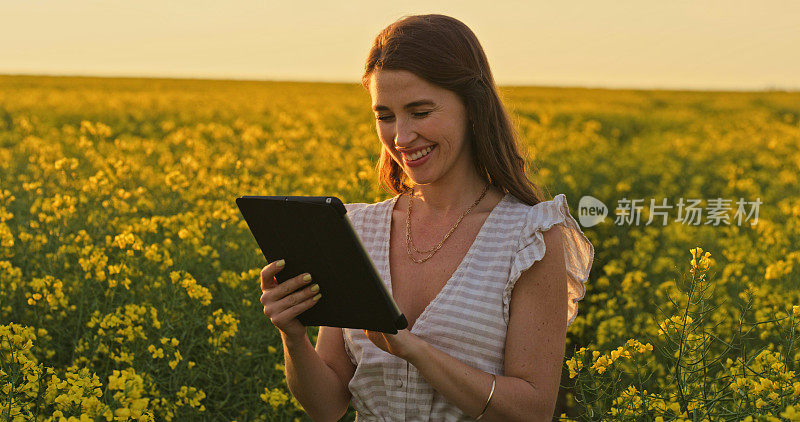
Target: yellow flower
(699,260)
(791,414)
(193,289)
(157,353)
(274,397)
(122,414)
(573,367)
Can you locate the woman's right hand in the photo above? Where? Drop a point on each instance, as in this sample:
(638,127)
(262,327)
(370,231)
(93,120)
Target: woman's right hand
(281,305)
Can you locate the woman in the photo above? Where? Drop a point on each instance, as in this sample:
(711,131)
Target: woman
(455,247)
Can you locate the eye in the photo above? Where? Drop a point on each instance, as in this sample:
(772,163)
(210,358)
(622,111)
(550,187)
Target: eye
(384,118)
(421,113)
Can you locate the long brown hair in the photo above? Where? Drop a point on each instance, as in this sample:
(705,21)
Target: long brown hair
(445,52)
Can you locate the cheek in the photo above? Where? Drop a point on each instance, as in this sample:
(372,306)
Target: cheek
(447,125)
(448,131)
(385,134)
(388,145)
(457,128)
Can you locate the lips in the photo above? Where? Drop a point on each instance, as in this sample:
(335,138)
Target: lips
(413,150)
(408,154)
(421,160)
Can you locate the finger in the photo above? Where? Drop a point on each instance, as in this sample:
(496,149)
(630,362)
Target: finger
(268,285)
(278,301)
(301,306)
(292,284)
(265,275)
(277,297)
(268,273)
(292,299)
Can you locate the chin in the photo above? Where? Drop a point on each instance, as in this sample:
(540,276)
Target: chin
(419,180)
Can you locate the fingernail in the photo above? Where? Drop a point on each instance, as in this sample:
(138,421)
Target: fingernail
(307,277)
(280,263)
(315,288)
(318,296)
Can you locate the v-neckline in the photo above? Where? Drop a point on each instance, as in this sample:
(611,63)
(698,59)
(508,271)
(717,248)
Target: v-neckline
(461,266)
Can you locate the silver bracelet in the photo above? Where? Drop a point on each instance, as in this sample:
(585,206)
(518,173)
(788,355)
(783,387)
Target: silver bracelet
(489,399)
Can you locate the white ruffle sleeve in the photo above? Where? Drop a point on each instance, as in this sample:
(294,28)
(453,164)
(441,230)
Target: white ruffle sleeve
(578,251)
(354,206)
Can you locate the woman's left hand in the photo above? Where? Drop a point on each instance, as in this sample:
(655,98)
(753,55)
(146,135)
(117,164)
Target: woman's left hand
(404,344)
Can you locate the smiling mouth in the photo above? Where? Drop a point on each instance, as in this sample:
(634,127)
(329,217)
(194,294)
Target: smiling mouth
(419,154)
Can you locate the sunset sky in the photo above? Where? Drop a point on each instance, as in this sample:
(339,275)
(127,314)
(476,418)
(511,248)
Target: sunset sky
(638,44)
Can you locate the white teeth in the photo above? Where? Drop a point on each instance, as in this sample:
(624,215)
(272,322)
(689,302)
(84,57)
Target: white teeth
(420,154)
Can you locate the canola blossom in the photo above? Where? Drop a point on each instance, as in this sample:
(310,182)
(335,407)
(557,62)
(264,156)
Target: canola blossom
(129,283)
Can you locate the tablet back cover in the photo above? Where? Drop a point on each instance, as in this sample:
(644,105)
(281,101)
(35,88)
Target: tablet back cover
(313,235)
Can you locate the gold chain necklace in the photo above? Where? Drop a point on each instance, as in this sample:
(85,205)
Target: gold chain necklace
(410,242)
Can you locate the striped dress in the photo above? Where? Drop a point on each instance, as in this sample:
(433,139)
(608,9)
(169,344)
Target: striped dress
(468,319)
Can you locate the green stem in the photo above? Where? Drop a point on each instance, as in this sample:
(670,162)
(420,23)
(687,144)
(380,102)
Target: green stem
(681,396)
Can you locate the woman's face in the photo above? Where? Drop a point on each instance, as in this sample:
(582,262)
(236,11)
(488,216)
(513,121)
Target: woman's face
(413,115)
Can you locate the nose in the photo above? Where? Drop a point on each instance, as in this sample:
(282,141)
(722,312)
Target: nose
(404,133)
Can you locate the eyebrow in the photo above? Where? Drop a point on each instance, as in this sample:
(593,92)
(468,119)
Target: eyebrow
(412,104)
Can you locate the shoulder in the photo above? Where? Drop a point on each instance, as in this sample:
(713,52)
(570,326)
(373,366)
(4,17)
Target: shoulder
(358,207)
(534,223)
(540,252)
(362,213)
(549,233)
(536,334)
(547,279)
(354,207)
(543,215)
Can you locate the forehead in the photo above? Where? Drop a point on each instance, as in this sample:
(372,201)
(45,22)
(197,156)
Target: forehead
(393,87)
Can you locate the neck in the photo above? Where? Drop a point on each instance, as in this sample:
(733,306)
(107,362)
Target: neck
(448,201)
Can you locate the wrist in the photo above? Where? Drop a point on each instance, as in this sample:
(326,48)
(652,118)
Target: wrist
(294,340)
(417,350)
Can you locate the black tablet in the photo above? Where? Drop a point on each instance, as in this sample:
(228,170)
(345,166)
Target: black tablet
(314,235)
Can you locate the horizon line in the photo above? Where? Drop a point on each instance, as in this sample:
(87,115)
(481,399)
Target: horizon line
(767,88)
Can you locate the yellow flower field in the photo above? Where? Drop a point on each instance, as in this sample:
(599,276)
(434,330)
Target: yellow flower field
(129,283)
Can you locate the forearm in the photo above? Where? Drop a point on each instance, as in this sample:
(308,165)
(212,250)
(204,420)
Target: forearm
(467,388)
(312,382)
